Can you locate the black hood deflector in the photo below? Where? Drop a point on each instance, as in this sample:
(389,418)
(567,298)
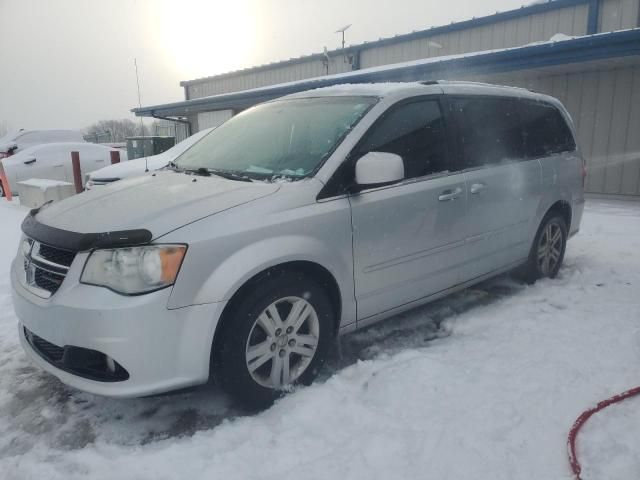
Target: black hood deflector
(78,242)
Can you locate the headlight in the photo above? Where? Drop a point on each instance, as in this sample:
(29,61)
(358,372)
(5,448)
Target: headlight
(134,270)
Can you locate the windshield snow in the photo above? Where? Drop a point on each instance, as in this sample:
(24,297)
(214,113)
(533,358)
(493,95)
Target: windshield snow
(286,138)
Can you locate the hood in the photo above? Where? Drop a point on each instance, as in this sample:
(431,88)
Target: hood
(130,168)
(159,203)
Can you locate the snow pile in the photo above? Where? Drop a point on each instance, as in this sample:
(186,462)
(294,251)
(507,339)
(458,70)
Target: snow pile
(44,183)
(482,385)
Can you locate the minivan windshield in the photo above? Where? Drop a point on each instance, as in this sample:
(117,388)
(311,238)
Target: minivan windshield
(282,139)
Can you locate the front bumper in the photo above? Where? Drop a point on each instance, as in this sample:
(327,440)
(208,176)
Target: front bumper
(161,349)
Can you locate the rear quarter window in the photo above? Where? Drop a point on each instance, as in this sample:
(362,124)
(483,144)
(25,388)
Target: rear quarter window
(545,130)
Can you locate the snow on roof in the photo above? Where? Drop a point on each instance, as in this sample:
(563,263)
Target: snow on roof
(82,145)
(358,89)
(394,88)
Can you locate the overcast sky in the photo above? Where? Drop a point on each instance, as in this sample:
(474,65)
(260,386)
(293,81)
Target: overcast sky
(68,63)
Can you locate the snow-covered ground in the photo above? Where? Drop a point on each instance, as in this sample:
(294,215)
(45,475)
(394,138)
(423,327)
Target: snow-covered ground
(482,385)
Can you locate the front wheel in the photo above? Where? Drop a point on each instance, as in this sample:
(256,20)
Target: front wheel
(276,336)
(547,251)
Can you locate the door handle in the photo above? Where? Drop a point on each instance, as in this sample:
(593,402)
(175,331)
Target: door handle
(29,162)
(477,187)
(450,194)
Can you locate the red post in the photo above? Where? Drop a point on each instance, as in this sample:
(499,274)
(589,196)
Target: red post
(115,156)
(5,183)
(77,174)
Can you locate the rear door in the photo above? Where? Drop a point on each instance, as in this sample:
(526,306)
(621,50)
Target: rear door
(42,162)
(504,186)
(408,237)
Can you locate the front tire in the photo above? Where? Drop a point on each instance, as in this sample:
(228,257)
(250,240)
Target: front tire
(547,251)
(276,335)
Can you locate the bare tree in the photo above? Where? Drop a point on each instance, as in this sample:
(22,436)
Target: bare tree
(115,130)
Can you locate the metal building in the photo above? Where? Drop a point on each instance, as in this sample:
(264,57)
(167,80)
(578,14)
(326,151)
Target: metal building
(584,52)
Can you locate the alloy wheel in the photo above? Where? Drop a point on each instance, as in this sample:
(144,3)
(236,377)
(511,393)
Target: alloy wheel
(549,248)
(282,342)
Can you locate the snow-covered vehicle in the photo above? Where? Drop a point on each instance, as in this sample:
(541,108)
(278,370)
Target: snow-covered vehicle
(52,161)
(297,220)
(15,142)
(140,166)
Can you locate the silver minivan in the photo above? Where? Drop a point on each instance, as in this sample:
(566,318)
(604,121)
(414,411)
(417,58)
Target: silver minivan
(297,220)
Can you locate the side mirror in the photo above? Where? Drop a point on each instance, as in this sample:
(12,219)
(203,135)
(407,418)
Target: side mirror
(375,169)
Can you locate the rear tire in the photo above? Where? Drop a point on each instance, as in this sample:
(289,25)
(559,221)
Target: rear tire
(547,251)
(275,335)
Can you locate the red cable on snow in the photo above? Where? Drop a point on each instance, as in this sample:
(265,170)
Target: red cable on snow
(582,419)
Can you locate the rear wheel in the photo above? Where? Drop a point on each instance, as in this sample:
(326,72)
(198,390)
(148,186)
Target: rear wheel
(276,336)
(547,251)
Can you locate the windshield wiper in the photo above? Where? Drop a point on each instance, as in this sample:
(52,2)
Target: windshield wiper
(229,175)
(198,171)
(207,172)
(172,166)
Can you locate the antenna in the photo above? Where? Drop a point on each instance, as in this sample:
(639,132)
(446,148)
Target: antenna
(342,30)
(146,160)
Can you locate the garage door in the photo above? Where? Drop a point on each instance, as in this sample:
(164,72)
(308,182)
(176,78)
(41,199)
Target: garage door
(213,119)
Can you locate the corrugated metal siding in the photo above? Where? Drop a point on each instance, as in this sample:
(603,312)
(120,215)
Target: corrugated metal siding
(213,119)
(605,108)
(612,15)
(618,15)
(509,33)
(282,74)
(607,120)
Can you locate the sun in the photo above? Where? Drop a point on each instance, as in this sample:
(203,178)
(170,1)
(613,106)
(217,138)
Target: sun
(205,37)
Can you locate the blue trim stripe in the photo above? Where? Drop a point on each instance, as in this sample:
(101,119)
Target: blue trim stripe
(578,50)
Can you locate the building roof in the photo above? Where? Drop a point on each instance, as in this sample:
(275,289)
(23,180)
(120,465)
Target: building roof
(463,25)
(537,55)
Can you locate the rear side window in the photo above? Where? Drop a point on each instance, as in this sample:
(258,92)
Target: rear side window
(545,130)
(416,132)
(488,131)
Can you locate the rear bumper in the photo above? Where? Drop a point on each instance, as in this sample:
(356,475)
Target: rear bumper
(160,349)
(576,216)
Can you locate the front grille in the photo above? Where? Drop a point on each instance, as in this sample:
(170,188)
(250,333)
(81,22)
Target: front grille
(48,281)
(56,255)
(45,267)
(49,351)
(104,181)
